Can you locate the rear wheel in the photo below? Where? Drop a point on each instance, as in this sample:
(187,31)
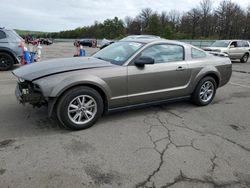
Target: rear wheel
(6,61)
(244,59)
(79,108)
(204,92)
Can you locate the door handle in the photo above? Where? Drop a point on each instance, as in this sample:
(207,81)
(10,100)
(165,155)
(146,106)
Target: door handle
(180,68)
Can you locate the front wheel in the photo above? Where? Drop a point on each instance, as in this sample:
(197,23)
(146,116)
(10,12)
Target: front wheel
(204,92)
(79,108)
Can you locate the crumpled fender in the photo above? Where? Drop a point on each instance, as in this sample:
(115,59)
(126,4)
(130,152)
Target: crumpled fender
(64,83)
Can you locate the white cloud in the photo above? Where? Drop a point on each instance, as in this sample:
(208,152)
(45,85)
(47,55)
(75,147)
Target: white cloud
(52,15)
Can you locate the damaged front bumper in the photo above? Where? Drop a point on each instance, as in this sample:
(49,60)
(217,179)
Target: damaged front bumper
(27,92)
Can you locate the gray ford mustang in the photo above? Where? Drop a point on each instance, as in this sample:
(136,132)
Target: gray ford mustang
(135,71)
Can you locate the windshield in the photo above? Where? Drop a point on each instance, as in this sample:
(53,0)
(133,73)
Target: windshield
(220,43)
(119,52)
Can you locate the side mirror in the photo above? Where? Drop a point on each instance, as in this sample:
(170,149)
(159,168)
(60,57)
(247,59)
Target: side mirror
(232,46)
(144,61)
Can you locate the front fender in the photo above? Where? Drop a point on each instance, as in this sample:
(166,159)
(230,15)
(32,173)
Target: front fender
(79,80)
(55,85)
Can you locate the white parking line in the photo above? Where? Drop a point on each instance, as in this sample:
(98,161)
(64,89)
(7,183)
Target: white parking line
(245,86)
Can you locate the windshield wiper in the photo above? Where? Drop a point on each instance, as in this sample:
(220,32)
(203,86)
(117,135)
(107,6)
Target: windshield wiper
(101,58)
(109,60)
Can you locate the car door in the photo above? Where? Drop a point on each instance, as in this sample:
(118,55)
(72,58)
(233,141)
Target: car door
(235,49)
(167,77)
(240,49)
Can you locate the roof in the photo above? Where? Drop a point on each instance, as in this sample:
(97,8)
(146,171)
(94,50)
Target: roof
(146,39)
(5,29)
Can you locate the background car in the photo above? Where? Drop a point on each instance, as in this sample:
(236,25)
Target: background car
(10,48)
(46,41)
(105,43)
(126,74)
(236,49)
(87,42)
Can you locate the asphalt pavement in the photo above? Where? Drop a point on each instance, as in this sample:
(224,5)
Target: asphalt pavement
(174,145)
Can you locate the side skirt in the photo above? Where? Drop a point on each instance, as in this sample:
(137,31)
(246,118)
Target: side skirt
(143,105)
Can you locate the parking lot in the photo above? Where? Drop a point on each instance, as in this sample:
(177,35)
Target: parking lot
(172,145)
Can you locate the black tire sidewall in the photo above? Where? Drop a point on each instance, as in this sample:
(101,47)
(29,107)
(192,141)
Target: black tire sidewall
(64,101)
(196,94)
(11,61)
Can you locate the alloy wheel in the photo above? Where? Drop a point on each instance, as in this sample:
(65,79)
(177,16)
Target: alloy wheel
(82,109)
(206,91)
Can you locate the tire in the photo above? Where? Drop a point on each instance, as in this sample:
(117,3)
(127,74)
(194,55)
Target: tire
(244,59)
(206,84)
(6,61)
(74,117)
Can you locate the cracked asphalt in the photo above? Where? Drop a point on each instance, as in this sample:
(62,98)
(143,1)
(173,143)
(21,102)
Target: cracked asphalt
(176,145)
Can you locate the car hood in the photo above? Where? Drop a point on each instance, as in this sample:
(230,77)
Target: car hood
(218,49)
(45,68)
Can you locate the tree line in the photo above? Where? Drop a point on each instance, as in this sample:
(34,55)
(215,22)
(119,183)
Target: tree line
(226,21)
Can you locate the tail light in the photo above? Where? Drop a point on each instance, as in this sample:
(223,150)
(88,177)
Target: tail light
(21,44)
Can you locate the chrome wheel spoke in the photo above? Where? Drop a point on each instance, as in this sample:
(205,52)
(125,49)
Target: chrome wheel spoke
(80,117)
(85,115)
(89,112)
(208,86)
(89,103)
(209,91)
(205,96)
(73,106)
(77,115)
(79,101)
(73,110)
(89,107)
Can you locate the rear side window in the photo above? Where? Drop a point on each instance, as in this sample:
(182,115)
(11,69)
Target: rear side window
(240,44)
(2,35)
(198,53)
(246,44)
(163,53)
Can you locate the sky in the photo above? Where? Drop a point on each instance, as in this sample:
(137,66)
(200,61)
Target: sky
(58,15)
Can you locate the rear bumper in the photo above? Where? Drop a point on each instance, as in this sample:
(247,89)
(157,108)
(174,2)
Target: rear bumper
(226,75)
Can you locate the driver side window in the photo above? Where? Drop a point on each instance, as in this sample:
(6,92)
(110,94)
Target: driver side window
(163,53)
(234,44)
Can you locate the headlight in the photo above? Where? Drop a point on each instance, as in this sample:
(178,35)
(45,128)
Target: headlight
(217,50)
(21,80)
